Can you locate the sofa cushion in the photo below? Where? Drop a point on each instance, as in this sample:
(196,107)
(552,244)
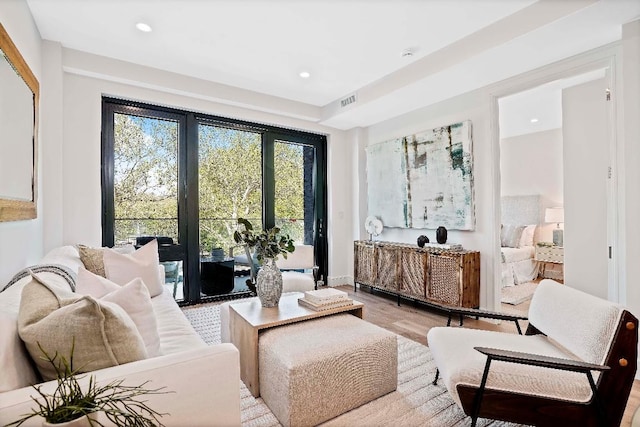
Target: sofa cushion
(143,263)
(64,255)
(133,297)
(453,351)
(13,354)
(176,332)
(558,311)
(56,319)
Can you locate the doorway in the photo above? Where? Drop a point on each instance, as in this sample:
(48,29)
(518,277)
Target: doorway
(555,150)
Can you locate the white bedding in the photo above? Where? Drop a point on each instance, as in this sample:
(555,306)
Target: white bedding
(518,265)
(517,254)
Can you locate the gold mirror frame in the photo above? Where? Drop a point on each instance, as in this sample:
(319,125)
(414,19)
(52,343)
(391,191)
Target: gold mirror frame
(11,209)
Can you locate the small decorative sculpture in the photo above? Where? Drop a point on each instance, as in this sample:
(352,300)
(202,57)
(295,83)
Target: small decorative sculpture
(441,235)
(422,240)
(374,226)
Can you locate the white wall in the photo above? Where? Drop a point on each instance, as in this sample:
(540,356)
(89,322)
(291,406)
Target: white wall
(51,153)
(474,106)
(81,196)
(532,164)
(21,241)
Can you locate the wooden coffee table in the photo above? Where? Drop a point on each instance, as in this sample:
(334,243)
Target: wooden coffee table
(247,319)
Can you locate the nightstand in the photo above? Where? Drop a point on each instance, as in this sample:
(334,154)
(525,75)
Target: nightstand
(551,260)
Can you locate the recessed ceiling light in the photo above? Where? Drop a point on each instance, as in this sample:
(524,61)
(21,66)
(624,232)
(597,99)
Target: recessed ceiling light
(145,28)
(407,52)
(534,120)
(305,74)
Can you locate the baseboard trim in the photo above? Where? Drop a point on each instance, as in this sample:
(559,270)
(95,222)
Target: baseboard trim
(339,280)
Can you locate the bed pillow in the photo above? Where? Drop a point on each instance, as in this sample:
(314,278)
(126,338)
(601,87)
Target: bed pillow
(510,235)
(527,236)
(143,263)
(101,333)
(133,297)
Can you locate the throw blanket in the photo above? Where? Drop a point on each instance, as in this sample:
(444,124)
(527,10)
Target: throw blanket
(61,270)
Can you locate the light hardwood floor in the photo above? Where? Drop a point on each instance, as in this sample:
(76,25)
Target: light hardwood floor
(413,321)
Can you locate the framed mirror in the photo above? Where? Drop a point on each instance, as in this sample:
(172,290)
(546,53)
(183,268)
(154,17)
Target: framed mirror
(19,97)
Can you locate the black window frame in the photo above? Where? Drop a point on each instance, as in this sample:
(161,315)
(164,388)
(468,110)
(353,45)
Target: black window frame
(188,196)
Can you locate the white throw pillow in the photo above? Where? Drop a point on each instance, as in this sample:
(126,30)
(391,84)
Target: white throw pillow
(133,297)
(143,263)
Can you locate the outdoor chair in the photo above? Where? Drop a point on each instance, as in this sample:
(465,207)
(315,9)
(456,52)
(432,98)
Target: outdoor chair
(299,272)
(575,365)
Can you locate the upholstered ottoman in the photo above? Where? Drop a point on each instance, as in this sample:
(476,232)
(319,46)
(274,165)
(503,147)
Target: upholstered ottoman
(316,370)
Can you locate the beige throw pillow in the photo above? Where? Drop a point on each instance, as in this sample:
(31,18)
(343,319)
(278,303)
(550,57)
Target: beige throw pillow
(133,297)
(143,263)
(92,259)
(104,334)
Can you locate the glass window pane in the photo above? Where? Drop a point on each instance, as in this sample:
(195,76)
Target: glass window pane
(294,201)
(230,184)
(145,178)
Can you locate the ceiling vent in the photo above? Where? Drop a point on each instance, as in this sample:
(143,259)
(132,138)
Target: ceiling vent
(351,99)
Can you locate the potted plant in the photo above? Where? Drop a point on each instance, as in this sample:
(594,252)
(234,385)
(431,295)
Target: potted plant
(71,405)
(268,244)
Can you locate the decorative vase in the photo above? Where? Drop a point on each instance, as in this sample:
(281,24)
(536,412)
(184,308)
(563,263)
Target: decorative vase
(269,283)
(423,240)
(441,235)
(78,422)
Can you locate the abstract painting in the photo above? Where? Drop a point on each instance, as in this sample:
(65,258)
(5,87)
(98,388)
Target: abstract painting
(423,180)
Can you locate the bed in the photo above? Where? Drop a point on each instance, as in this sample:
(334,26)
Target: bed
(518,235)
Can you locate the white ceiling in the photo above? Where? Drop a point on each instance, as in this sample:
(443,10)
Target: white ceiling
(542,103)
(348,46)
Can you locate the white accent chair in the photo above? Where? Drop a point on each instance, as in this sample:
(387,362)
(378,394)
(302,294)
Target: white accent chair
(574,366)
(298,269)
(294,280)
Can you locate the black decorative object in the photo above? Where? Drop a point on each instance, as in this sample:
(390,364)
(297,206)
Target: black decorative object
(441,235)
(422,240)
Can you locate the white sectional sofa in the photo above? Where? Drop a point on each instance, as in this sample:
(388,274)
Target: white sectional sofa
(203,380)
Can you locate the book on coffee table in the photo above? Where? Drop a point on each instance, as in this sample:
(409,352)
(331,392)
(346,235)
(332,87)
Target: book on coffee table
(325,306)
(324,296)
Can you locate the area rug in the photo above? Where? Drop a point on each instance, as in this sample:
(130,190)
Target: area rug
(416,402)
(518,294)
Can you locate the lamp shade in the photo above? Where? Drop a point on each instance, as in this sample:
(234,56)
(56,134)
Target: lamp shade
(554,215)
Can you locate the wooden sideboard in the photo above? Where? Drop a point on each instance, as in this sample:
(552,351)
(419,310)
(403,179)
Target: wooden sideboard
(435,276)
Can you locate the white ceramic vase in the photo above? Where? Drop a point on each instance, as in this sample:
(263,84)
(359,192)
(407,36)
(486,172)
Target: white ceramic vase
(269,283)
(78,422)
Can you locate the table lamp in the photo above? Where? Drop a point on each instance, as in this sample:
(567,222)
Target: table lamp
(555,215)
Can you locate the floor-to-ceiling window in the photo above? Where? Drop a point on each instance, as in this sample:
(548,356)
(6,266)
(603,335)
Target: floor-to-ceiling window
(186,178)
